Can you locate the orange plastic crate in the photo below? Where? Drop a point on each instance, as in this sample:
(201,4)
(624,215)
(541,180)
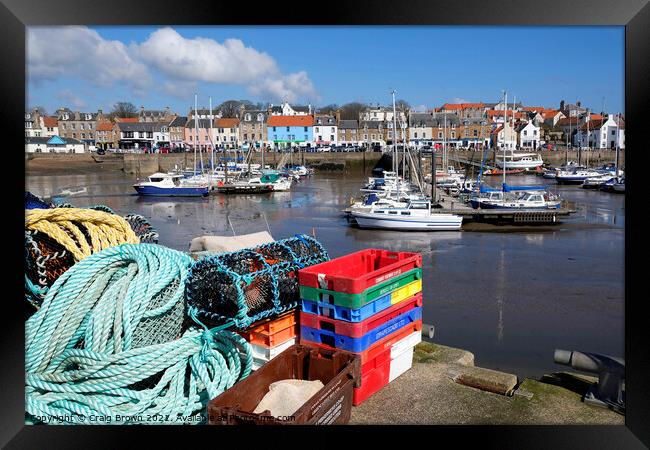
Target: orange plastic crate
(272,339)
(270,326)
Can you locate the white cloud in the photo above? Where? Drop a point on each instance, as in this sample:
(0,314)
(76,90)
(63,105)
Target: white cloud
(66,95)
(79,52)
(76,51)
(458,100)
(201,59)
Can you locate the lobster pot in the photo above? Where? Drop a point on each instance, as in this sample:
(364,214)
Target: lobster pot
(217,295)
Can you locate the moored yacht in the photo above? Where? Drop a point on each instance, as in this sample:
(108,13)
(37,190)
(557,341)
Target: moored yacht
(416,216)
(169,185)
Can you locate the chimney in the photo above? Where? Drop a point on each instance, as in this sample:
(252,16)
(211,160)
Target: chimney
(578,103)
(562,105)
(99,111)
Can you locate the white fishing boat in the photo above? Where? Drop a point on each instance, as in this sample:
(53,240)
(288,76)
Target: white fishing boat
(511,160)
(416,216)
(596,181)
(525,200)
(575,176)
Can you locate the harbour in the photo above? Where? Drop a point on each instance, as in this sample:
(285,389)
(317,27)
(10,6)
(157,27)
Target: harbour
(474,278)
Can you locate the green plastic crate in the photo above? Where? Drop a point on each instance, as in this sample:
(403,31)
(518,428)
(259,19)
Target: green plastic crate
(356,301)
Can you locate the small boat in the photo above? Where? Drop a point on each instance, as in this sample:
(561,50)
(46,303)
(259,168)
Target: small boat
(512,160)
(497,171)
(576,176)
(275,179)
(597,181)
(170,185)
(416,216)
(243,187)
(615,185)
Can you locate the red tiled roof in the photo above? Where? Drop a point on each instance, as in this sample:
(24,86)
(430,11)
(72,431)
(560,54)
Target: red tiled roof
(454,106)
(126,119)
(596,117)
(226,123)
(104,126)
(50,121)
(291,121)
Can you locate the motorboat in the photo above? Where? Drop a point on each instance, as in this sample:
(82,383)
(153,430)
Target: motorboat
(274,179)
(512,160)
(170,185)
(615,185)
(596,181)
(525,200)
(416,216)
(575,176)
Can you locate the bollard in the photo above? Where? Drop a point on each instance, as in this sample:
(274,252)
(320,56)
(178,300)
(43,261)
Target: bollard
(609,392)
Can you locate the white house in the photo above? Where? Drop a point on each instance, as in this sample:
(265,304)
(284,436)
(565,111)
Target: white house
(325,130)
(603,133)
(225,133)
(421,129)
(381,114)
(161,136)
(528,135)
(504,135)
(285,109)
(53,144)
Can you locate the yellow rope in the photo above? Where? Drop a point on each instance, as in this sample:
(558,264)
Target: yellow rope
(62,224)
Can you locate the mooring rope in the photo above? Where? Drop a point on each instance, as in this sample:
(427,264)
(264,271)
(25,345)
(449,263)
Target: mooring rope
(71,226)
(109,341)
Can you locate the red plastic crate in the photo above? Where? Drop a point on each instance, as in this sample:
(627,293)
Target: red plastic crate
(375,374)
(358,329)
(379,346)
(356,272)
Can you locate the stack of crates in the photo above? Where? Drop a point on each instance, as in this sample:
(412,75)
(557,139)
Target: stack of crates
(270,337)
(368,303)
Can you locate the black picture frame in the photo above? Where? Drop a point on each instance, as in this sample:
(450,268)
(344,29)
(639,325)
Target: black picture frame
(15,15)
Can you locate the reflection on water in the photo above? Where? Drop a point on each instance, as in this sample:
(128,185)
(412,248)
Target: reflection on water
(543,289)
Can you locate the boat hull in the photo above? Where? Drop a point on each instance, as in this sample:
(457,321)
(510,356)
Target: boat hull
(172,192)
(442,222)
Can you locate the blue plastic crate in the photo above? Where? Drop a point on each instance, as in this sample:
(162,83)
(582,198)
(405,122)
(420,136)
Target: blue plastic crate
(342,313)
(362,343)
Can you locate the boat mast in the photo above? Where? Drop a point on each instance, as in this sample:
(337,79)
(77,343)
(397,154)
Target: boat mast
(505,122)
(444,145)
(196,130)
(211,143)
(396,165)
(618,126)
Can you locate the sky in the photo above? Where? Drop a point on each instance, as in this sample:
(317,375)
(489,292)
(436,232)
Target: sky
(90,68)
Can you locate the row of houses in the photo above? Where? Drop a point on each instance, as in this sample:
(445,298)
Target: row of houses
(462,125)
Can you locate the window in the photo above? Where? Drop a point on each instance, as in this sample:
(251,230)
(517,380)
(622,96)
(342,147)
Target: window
(332,130)
(28,124)
(81,126)
(525,133)
(63,125)
(306,138)
(534,132)
(613,133)
(453,134)
(475,132)
(331,137)
(415,135)
(316,130)
(288,129)
(72,126)
(439,135)
(305,129)
(83,135)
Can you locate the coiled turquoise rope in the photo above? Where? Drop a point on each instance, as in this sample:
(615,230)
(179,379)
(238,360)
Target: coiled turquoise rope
(82,360)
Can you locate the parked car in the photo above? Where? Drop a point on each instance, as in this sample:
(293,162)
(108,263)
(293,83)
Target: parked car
(325,149)
(101,151)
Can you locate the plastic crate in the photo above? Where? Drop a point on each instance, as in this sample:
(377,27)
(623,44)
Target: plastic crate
(358,329)
(356,315)
(356,301)
(356,272)
(271,340)
(270,326)
(358,345)
(383,344)
(264,353)
(384,368)
(339,371)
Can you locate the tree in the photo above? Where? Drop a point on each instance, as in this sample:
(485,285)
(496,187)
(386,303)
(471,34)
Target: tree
(229,108)
(402,105)
(329,109)
(123,110)
(41,110)
(352,110)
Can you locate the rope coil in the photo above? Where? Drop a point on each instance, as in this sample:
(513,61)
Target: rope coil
(90,348)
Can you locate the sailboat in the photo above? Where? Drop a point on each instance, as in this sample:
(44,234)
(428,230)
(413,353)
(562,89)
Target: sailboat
(417,215)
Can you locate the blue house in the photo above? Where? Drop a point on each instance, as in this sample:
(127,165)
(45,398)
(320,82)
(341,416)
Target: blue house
(290,131)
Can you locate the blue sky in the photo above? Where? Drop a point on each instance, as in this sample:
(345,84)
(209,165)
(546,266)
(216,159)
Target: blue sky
(91,68)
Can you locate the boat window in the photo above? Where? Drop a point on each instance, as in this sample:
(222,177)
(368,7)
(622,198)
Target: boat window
(392,212)
(177,182)
(419,206)
(155,180)
(406,213)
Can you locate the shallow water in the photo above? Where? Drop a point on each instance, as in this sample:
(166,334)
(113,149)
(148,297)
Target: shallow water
(509,297)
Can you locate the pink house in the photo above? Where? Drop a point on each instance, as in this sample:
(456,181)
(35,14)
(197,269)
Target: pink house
(202,137)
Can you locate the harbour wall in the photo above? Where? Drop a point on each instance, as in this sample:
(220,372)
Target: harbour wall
(357,163)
